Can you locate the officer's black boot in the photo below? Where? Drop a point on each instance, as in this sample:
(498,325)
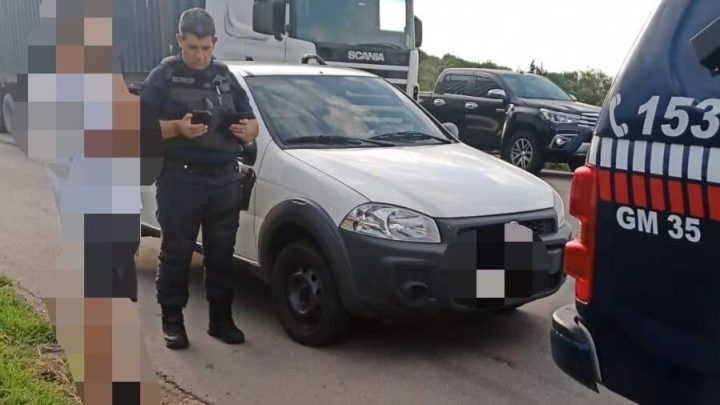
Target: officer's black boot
(174,328)
(222,325)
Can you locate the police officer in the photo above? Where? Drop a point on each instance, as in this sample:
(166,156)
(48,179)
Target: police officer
(200,183)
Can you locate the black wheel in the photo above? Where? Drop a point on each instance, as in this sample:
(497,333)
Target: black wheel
(305,297)
(575,164)
(524,151)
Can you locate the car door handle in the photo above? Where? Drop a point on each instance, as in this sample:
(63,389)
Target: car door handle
(439,102)
(471,106)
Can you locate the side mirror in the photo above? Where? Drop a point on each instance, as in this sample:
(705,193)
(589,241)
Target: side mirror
(452,128)
(269,17)
(707,46)
(418,32)
(572,96)
(497,93)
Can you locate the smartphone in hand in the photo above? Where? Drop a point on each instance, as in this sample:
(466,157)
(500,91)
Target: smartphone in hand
(233,118)
(201,117)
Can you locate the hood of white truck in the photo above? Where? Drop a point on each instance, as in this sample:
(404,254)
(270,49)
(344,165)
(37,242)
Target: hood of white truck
(442,181)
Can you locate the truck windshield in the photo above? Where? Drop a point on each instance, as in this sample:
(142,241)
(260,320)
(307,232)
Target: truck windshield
(386,23)
(341,111)
(536,87)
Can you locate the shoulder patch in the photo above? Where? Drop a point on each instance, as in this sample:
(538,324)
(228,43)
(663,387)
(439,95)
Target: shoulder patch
(220,64)
(171,60)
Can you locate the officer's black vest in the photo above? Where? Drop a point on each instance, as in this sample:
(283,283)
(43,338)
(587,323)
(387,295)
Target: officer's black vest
(209,90)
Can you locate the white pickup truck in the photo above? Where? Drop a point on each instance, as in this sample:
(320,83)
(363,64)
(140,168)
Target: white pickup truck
(366,205)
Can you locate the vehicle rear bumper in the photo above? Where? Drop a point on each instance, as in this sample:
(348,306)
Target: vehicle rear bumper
(573,348)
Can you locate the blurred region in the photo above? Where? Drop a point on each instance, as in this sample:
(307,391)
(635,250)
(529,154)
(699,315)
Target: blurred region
(74,113)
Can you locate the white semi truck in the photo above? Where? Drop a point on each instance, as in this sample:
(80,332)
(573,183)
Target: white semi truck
(378,36)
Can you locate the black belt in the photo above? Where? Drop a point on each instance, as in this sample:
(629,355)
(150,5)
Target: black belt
(204,169)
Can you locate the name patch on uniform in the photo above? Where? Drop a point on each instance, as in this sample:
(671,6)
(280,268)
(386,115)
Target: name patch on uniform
(184,80)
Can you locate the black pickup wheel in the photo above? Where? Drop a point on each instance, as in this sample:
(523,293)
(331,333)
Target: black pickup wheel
(523,150)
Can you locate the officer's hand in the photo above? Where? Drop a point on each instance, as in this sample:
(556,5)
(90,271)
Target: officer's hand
(245,130)
(189,130)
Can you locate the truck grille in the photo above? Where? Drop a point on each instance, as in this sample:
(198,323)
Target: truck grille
(589,120)
(397,75)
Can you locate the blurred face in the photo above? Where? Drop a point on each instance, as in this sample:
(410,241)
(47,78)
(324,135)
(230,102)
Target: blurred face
(196,52)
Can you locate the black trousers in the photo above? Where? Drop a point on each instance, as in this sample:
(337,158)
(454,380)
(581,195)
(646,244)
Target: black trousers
(185,202)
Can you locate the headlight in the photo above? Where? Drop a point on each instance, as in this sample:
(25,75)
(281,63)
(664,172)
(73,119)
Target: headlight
(560,118)
(559,207)
(388,222)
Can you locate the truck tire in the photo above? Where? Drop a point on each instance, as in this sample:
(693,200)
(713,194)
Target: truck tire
(305,297)
(8,104)
(523,150)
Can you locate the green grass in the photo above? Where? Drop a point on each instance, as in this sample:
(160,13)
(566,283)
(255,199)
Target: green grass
(557,166)
(26,375)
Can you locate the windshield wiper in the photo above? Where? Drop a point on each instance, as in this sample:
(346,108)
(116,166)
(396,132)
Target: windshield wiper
(335,140)
(381,45)
(410,136)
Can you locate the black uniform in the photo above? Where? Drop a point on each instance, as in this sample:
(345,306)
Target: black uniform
(200,183)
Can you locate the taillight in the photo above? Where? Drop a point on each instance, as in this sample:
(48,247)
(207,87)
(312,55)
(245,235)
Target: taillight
(580,254)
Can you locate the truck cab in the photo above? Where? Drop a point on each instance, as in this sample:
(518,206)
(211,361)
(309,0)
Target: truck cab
(646,319)
(526,117)
(378,36)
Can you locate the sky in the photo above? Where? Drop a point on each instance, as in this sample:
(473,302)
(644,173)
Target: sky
(562,34)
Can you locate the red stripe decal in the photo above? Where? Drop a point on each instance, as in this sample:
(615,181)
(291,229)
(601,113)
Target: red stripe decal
(695,196)
(714,197)
(639,193)
(657,194)
(604,180)
(677,205)
(621,189)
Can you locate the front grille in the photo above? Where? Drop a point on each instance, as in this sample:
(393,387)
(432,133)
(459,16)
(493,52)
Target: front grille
(540,227)
(397,75)
(589,120)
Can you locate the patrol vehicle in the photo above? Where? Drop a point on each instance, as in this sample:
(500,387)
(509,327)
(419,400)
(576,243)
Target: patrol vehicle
(364,204)
(646,321)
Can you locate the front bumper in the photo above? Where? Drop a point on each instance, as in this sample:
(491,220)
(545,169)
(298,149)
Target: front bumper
(397,278)
(573,348)
(569,142)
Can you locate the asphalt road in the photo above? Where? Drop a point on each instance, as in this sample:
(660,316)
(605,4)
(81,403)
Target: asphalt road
(457,359)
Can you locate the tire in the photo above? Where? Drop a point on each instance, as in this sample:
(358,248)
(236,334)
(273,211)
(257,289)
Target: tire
(524,142)
(8,105)
(575,164)
(306,298)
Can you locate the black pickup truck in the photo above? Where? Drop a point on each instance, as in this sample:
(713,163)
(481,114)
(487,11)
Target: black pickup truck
(526,117)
